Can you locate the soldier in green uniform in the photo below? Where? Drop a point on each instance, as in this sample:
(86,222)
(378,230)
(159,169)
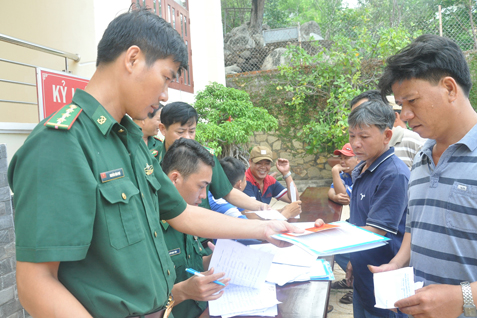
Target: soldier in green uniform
(150,129)
(89,196)
(189,166)
(179,120)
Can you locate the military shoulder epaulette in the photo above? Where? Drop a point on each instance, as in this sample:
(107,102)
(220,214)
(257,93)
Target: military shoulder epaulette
(212,151)
(160,139)
(154,152)
(64,118)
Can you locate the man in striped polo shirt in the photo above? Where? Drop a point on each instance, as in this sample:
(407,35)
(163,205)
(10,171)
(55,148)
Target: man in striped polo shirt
(431,80)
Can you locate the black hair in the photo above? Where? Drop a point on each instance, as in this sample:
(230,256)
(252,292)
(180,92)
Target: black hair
(151,115)
(373,94)
(430,58)
(372,112)
(233,168)
(184,156)
(153,35)
(178,112)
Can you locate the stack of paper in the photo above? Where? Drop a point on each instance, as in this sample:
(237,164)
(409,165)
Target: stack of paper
(334,238)
(292,264)
(247,292)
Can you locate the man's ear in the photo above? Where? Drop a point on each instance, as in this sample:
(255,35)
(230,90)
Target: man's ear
(175,177)
(133,54)
(388,133)
(162,128)
(452,88)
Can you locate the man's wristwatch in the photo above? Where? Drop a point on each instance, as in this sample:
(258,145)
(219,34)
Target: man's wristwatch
(469,306)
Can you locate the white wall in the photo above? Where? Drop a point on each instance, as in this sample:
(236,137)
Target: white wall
(49,23)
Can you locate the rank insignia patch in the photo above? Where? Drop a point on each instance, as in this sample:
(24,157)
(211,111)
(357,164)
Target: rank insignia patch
(64,118)
(111,175)
(154,152)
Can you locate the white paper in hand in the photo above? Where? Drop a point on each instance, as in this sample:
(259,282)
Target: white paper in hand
(389,287)
(293,195)
(269,215)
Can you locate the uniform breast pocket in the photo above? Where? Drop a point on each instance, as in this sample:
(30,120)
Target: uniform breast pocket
(154,185)
(121,212)
(461,212)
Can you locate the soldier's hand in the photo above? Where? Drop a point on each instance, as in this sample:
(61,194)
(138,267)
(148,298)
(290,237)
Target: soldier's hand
(270,228)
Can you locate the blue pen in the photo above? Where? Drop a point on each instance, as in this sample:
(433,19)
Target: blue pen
(196,273)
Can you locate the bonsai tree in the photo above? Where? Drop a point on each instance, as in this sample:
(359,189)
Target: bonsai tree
(227,120)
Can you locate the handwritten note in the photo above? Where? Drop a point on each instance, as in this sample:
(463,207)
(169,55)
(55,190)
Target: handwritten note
(389,287)
(244,266)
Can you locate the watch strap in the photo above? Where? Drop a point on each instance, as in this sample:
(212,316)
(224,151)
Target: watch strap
(469,306)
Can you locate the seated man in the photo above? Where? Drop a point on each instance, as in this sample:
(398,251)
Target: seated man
(378,200)
(262,186)
(189,166)
(235,171)
(340,189)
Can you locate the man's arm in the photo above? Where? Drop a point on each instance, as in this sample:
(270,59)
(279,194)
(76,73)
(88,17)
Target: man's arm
(340,198)
(199,288)
(42,295)
(241,200)
(284,167)
(205,223)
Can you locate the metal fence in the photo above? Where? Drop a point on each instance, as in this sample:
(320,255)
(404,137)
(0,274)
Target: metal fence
(265,51)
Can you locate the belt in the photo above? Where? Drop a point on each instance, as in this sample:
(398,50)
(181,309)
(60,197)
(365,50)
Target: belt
(161,313)
(157,314)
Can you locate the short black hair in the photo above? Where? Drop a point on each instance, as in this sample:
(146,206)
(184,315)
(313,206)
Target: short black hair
(233,168)
(430,58)
(151,115)
(372,94)
(184,156)
(178,112)
(373,112)
(152,34)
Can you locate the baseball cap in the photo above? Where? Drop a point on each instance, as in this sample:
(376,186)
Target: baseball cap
(259,153)
(347,151)
(392,102)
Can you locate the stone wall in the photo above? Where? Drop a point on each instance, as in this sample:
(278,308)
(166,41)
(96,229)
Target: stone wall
(307,170)
(9,304)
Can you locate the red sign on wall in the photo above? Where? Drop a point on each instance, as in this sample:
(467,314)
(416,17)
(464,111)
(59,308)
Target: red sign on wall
(55,90)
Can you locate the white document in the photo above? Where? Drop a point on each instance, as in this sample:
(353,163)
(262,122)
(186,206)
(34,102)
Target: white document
(243,265)
(269,215)
(293,195)
(238,300)
(281,274)
(292,255)
(389,287)
(345,239)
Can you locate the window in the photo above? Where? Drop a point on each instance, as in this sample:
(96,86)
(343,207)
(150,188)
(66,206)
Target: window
(176,12)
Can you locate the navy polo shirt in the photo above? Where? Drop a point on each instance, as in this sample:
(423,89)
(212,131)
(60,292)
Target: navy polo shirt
(271,188)
(379,199)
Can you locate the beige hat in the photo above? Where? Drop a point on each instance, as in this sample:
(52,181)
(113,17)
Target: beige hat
(259,153)
(392,102)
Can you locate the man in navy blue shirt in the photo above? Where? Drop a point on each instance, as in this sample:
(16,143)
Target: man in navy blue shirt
(378,200)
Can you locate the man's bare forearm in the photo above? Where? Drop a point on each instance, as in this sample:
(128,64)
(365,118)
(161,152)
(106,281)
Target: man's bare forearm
(42,295)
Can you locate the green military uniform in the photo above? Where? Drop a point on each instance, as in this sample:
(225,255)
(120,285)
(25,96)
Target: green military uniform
(186,251)
(92,197)
(153,143)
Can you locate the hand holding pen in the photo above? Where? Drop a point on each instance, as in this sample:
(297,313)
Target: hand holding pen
(201,287)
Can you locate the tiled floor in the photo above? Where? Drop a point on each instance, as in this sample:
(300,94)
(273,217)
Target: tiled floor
(339,310)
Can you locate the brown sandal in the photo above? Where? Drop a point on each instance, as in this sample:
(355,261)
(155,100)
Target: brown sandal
(347,298)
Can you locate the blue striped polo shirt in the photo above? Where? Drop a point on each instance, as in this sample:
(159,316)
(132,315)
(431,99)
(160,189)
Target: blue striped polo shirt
(442,216)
